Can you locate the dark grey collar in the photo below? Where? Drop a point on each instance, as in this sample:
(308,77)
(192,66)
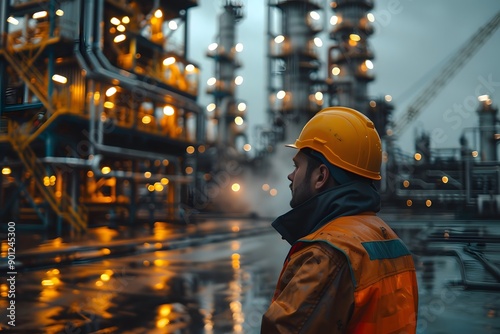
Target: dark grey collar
(345,200)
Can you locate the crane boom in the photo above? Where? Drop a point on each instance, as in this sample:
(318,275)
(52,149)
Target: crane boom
(471,46)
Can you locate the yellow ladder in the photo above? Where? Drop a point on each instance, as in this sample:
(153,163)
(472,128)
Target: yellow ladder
(31,76)
(62,204)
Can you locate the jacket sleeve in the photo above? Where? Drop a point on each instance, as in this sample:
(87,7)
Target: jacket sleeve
(314,293)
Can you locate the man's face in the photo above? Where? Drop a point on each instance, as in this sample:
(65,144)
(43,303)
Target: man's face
(301,183)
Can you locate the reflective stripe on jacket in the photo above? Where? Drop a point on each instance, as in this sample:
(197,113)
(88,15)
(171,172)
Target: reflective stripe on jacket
(382,273)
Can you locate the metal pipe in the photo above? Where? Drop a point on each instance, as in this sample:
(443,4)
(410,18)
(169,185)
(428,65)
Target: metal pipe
(107,72)
(4,10)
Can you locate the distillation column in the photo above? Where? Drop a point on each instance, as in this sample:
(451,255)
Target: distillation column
(487,125)
(349,57)
(227,114)
(293,27)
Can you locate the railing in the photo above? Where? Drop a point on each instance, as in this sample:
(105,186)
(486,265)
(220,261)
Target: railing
(60,202)
(31,76)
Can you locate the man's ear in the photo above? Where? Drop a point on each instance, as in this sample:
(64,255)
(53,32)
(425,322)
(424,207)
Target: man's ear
(322,177)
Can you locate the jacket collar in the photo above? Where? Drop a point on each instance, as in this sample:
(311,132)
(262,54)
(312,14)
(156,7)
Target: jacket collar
(345,200)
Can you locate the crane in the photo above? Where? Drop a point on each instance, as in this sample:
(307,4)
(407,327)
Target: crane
(471,46)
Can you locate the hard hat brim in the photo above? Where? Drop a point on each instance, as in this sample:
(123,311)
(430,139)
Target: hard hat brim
(292,146)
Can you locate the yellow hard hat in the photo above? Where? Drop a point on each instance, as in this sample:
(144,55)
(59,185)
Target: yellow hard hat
(346,138)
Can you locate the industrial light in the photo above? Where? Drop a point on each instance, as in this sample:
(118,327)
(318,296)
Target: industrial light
(235,187)
(265,187)
(354,37)
(428,203)
(242,106)
(281,95)
(406,183)
(189,170)
(59,12)
(172,25)
(238,80)
(158,13)
(59,78)
(334,20)
(147,175)
(164,181)
(13,20)
(109,105)
(190,68)
(418,156)
(39,15)
(370,17)
(211,81)
(169,61)
(444,179)
(314,15)
(120,38)
(279,39)
(168,110)
(335,70)
(146,119)
(115,21)
(6,171)
(318,96)
(238,120)
(318,42)
(211,107)
(238,47)
(475,154)
(213,46)
(388,98)
(409,202)
(373,104)
(369,64)
(126,19)
(121,28)
(247,147)
(201,148)
(111,91)
(273,192)
(158,186)
(190,149)
(483,98)
(105,170)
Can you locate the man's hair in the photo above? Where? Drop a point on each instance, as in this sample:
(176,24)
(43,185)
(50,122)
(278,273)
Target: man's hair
(312,161)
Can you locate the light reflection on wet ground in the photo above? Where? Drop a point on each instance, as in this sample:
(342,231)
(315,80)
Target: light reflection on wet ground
(225,287)
(216,288)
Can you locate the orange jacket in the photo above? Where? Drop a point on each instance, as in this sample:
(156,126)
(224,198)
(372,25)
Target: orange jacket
(352,275)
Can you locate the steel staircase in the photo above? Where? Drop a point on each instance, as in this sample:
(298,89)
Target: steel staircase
(61,203)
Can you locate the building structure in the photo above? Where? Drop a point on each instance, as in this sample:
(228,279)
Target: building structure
(98,111)
(294,86)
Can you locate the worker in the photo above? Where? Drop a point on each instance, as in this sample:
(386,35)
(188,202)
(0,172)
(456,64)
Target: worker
(347,271)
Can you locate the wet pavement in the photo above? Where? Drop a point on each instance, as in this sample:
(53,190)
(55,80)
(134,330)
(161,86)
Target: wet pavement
(218,276)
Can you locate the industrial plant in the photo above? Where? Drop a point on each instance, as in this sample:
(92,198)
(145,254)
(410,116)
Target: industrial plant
(101,119)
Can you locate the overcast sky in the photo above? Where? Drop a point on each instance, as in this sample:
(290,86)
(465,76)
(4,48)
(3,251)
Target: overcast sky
(412,41)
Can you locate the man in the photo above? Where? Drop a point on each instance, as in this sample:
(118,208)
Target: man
(347,271)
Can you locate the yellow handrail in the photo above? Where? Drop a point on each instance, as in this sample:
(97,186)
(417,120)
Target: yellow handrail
(64,206)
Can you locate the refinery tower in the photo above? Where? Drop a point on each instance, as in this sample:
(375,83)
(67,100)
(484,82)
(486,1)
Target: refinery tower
(298,85)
